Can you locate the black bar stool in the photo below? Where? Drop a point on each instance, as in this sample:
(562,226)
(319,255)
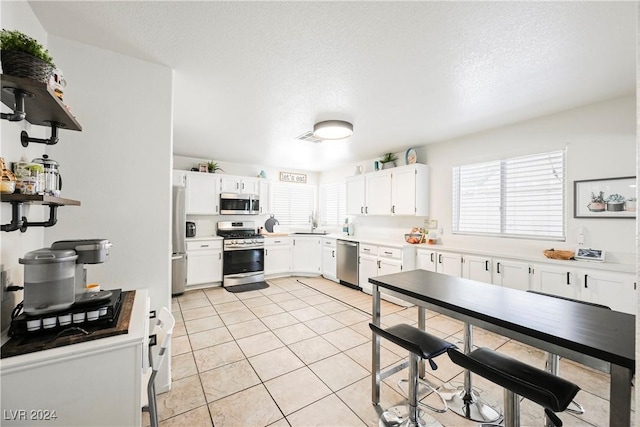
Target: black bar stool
(553,360)
(420,345)
(553,393)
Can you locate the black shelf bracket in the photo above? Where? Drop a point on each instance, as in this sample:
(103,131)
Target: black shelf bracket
(25,139)
(19,222)
(19,112)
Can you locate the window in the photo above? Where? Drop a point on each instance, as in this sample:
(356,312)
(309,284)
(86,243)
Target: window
(517,197)
(292,204)
(333,204)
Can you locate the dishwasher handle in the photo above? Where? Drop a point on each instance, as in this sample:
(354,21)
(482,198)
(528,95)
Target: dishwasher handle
(346,243)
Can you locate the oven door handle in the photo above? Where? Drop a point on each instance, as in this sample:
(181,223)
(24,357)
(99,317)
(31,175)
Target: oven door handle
(244,248)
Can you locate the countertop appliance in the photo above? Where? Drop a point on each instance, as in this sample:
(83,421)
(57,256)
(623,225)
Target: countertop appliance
(178,245)
(191,229)
(243,253)
(239,204)
(347,263)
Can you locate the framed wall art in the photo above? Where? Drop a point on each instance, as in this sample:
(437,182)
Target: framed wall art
(605,198)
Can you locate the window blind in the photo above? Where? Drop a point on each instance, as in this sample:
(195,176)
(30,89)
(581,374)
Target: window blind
(333,204)
(521,196)
(292,204)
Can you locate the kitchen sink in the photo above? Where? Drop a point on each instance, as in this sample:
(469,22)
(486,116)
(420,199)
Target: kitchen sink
(310,233)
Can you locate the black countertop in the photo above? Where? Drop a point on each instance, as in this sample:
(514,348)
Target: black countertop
(603,334)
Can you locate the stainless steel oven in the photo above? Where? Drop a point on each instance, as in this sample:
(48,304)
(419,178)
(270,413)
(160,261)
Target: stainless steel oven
(239,204)
(243,253)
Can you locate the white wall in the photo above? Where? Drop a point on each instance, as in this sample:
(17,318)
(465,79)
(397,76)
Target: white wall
(13,245)
(600,141)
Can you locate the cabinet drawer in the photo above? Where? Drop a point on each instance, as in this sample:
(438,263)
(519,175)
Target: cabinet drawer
(204,245)
(277,241)
(393,253)
(328,243)
(368,249)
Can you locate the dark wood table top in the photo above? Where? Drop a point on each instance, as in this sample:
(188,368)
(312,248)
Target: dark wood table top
(597,332)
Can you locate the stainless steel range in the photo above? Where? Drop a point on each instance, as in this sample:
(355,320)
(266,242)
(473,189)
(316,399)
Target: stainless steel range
(243,253)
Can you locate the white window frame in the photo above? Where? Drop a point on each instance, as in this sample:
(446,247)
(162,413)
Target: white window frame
(292,204)
(495,194)
(334,197)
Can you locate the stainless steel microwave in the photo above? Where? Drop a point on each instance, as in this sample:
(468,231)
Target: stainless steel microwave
(239,204)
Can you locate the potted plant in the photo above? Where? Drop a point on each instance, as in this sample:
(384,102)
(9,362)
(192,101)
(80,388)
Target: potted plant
(213,167)
(388,160)
(597,202)
(23,56)
(615,202)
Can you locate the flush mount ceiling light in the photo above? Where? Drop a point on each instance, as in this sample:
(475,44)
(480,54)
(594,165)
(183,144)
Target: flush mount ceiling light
(332,129)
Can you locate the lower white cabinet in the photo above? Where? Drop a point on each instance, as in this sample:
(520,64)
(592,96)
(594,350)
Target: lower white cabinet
(204,262)
(307,253)
(380,260)
(615,290)
(477,268)
(442,262)
(329,262)
(277,256)
(511,274)
(554,280)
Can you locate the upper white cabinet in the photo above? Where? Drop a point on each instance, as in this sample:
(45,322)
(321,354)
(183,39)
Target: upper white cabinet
(265,193)
(398,191)
(307,253)
(239,184)
(202,194)
(355,195)
(179,178)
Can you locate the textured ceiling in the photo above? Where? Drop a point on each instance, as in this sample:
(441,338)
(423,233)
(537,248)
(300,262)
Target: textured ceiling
(252,76)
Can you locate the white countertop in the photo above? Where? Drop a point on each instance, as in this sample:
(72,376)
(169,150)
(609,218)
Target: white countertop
(201,238)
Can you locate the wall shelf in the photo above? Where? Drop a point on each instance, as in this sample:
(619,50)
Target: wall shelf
(19,222)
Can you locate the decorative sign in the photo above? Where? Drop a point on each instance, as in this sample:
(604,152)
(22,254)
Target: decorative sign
(293,177)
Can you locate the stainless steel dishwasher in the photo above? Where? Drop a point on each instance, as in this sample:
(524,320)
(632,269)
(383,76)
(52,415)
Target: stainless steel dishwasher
(347,262)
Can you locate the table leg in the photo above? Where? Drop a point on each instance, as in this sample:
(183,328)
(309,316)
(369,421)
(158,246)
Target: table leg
(375,346)
(620,396)
(465,401)
(421,325)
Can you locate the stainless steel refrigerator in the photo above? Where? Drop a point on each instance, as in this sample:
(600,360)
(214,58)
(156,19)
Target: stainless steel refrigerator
(178,251)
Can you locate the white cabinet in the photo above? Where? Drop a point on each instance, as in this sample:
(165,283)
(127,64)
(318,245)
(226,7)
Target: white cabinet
(442,262)
(92,383)
(204,262)
(554,280)
(380,260)
(265,193)
(238,184)
(511,274)
(477,268)
(202,194)
(613,289)
(378,193)
(277,256)
(307,253)
(409,191)
(355,195)
(179,178)
(397,191)
(329,263)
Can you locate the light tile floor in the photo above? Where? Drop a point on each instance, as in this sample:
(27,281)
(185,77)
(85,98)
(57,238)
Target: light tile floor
(299,354)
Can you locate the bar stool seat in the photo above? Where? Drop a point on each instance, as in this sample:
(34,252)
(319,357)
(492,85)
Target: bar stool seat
(553,393)
(420,345)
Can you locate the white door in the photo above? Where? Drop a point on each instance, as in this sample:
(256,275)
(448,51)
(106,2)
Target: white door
(277,259)
(378,193)
(355,195)
(403,192)
(512,274)
(426,259)
(329,262)
(449,263)
(367,267)
(204,266)
(202,194)
(306,255)
(179,178)
(250,186)
(229,184)
(265,190)
(477,268)
(558,281)
(612,289)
